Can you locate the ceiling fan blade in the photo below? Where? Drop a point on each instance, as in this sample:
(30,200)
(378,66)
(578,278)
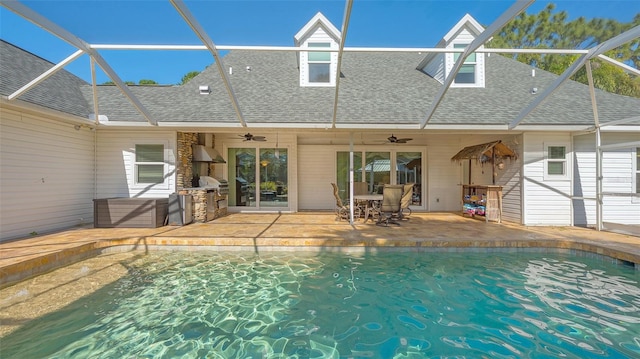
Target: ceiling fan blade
(259,138)
(403,140)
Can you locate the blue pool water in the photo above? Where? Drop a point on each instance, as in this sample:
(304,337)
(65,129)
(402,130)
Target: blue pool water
(325,305)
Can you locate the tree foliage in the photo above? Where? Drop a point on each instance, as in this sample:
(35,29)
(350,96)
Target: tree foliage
(147,82)
(188,76)
(549,30)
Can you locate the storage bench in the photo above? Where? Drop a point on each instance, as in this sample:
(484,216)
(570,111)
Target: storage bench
(121,212)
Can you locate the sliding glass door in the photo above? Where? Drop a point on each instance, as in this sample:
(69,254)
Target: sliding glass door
(379,168)
(409,170)
(258,177)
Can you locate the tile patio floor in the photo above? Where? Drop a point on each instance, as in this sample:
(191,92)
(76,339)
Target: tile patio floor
(51,271)
(21,259)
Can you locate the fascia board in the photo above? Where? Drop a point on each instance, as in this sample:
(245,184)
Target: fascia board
(466,21)
(317,20)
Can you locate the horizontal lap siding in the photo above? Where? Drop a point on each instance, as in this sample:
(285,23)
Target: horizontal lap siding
(443,176)
(314,181)
(510,179)
(617,176)
(546,202)
(584,183)
(47,175)
(116,159)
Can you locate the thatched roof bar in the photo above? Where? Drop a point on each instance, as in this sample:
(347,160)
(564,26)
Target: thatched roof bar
(477,151)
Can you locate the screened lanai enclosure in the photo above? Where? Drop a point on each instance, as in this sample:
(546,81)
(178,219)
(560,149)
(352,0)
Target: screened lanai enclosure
(328,99)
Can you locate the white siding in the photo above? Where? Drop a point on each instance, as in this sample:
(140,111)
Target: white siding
(546,202)
(314,181)
(443,176)
(617,176)
(584,182)
(511,181)
(47,175)
(116,157)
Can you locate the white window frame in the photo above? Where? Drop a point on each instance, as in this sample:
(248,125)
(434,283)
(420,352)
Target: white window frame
(165,166)
(305,75)
(468,63)
(566,163)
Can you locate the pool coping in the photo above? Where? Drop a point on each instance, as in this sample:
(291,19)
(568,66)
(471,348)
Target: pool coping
(265,232)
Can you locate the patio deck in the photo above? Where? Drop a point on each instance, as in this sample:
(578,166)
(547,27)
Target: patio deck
(76,270)
(21,259)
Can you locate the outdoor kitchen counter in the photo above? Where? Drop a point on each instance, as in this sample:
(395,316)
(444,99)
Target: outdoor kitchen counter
(208,202)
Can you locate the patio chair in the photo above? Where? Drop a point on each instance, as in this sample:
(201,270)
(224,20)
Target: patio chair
(390,207)
(342,210)
(407,196)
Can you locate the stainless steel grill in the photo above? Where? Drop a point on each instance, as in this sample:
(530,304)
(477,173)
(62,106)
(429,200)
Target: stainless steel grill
(223,187)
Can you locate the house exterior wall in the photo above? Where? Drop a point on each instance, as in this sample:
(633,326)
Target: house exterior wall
(617,177)
(47,174)
(546,201)
(314,181)
(116,164)
(443,176)
(511,181)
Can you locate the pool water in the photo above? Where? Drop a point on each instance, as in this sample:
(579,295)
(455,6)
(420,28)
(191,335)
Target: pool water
(330,305)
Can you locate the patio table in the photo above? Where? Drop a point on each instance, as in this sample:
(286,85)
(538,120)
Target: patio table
(371,200)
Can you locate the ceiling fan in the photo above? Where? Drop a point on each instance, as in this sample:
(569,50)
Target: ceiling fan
(394,139)
(250,137)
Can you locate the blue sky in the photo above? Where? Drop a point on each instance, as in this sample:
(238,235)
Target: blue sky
(373,23)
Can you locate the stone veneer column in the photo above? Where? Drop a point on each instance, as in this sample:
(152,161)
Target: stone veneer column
(184,168)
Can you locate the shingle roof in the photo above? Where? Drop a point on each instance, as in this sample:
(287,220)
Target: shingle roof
(62,91)
(375,88)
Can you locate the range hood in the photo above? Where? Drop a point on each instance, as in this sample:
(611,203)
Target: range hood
(202,153)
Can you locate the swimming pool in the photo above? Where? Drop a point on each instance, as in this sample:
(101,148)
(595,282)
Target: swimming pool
(329,305)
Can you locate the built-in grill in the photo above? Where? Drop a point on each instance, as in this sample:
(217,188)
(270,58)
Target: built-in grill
(217,191)
(215,184)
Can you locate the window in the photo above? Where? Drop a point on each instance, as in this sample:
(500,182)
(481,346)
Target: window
(556,161)
(467,73)
(319,64)
(149,164)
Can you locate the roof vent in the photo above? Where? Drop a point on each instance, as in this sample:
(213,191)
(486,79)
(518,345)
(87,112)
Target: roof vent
(204,90)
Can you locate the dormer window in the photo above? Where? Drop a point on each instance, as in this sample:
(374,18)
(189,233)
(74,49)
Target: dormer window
(318,68)
(439,65)
(319,63)
(467,73)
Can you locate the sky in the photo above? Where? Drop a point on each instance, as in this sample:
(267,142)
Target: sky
(373,23)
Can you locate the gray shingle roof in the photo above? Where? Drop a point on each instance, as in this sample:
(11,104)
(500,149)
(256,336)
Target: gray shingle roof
(376,88)
(62,91)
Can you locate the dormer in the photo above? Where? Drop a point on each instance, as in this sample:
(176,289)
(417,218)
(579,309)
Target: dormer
(318,68)
(439,65)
